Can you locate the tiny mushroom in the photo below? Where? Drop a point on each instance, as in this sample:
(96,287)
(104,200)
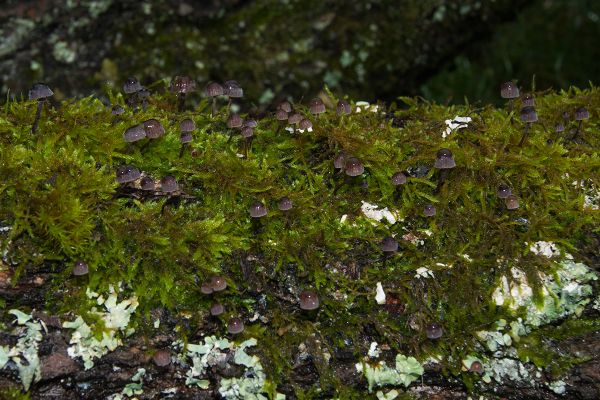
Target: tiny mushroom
(339,161)
(117,109)
(258,210)
(309,300)
(281,115)
(294,119)
(206,287)
(132,85)
(353,167)
(153,128)
(232,89)
(476,367)
(317,106)
(168,184)
(127,173)
(285,106)
(284,204)
(528,100)
(187,125)
(305,124)
(147,183)
(234,121)
(39,92)
(512,202)
(503,191)
(581,114)
(434,331)
(429,210)
(80,268)
(508,90)
(218,283)
(529,116)
(247,132)
(343,107)
(444,159)
(399,178)
(389,245)
(217,309)
(214,89)
(235,325)
(162,358)
(134,133)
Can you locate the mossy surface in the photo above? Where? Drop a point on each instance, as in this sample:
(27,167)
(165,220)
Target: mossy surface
(60,202)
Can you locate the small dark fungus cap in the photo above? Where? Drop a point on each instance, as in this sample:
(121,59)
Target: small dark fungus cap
(476,367)
(305,124)
(528,114)
(217,309)
(398,179)
(258,210)
(162,358)
(132,85)
(309,300)
(117,110)
(281,115)
(232,89)
(206,287)
(528,100)
(247,132)
(581,113)
(317,106)
(186,137)
(339,161)
(234,121)
(558,128)
(214,89)
(343,107)
(444,159)
(80,268)
(295,119)
(235,326)
(508,90)
(169,184)
(434,331)
(285,106)
(127,173)
(187,125)
(183,84)
(153,128)
(429,210)
(503,191)
(40,91)
(512,202)
(250,122)
(218,283)
(134,133)
(389,244)
(353,167)
(148,183)
(285,204)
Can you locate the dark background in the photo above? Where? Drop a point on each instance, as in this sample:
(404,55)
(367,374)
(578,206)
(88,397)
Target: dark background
(368,50)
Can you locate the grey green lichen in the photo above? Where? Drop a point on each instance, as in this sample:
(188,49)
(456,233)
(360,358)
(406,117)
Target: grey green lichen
(62,203)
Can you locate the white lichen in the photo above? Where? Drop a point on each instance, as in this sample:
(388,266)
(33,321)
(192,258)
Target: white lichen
(372,212)
(455,124)
(379,294)
(423,272)
(406,370)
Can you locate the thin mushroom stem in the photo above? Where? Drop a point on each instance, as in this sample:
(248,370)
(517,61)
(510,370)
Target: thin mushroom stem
(577,130)
(181,102)
(229,105)
(183,147)
(214,107)
(525,132)
(441,179)
(38,113)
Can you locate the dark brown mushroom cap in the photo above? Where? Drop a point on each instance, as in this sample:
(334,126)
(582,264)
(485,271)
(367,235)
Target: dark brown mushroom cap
(512,202)
(399,178)
(186,137)
(476,367)
(183,84)
(247,132)
(80,268)
(353,167)
(148,183)
(153,128)
(285,106)
(294,119)
(581,113)
(429,210)
(444,159)
(206,287)
(258,210)
(343,107)
(317,106)
(214,89)
(217,309)
(134,133)
(162,358)
(234,121)
(508,90)
(309,300)
(235,325)
(388,244)
(305,124)
(127,173)
(558,128)
(503,191)
(528,100)
(218,283)
(40,91)
(285,204)
(434,331)
(187,125)
(232,89)
(168,184)
(281,115)
(250,122)
(528,114)
(339,161)
(132,85)
(117,110)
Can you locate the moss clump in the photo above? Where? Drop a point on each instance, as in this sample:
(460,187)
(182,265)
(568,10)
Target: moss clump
(62,203)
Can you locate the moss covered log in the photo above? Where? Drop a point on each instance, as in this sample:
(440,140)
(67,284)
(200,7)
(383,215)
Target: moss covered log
(439,276)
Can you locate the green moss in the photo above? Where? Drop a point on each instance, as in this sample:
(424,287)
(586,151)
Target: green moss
(62,204)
